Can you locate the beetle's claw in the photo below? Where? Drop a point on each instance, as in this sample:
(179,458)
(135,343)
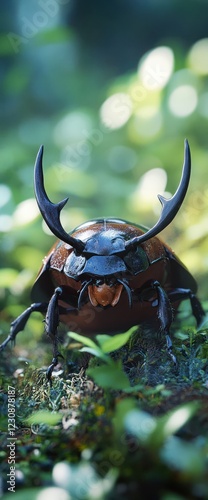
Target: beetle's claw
(175,362)
(169,349)
(51,368)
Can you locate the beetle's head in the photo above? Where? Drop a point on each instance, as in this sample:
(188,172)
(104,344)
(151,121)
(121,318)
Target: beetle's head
(105,267)
(104,261)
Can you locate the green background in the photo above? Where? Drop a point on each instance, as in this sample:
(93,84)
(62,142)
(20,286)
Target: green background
(61,60)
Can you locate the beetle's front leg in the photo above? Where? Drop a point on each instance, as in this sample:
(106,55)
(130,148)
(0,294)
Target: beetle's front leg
(165,315)
(19,323)
(186,293)
(51,325)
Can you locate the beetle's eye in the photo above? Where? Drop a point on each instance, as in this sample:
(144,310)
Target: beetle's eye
(99,282)
(111,282)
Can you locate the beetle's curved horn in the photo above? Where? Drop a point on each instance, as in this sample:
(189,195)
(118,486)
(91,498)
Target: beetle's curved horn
(51,211)
(171,206)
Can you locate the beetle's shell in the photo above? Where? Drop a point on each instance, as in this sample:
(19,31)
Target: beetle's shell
(163,266)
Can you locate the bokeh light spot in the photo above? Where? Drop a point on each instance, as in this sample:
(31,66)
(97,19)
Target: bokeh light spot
(145,195)
(116,110)
(73,127)
(156,68)
(183,100)
(5,194)
(198,57)
(26,212)
(53,493)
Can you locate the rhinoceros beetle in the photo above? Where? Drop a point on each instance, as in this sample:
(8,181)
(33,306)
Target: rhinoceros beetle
(108,274)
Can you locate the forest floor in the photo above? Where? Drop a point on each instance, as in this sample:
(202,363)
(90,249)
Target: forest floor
(121,422)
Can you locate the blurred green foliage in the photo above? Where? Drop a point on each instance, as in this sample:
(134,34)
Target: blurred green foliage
(84,79)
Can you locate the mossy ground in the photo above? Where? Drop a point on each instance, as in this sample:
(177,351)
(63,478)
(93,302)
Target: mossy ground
(90,423)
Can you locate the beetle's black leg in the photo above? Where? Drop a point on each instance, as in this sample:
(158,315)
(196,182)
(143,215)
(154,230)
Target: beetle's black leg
(51,325)
(183,294)
(165,315)
(19,323)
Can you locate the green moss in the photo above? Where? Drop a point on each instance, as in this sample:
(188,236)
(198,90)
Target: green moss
(122,432)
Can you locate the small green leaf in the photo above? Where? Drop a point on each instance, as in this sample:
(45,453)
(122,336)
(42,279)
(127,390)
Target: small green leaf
(110,343)
(178,417)
(123,407)
(96,352)
(44,417)
(110,377)
(103,338)
(139,423)
(182,455)
(170,423)
(83,340)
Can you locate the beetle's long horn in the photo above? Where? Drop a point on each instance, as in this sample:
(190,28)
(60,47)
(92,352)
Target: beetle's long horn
(171,206)
(51,211)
